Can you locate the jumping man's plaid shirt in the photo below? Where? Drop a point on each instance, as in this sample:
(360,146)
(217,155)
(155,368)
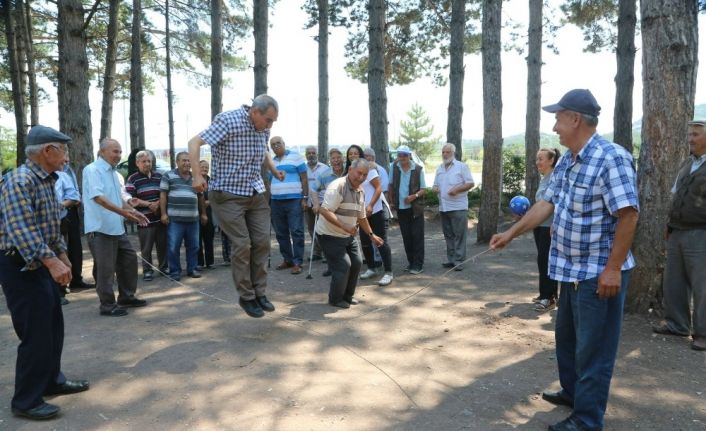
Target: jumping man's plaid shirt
(30,214)
(586,194)
(238,152)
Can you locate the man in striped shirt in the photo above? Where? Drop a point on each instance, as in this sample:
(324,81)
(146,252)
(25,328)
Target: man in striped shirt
(341,213)
(143,185)
(289,199)
(181,208)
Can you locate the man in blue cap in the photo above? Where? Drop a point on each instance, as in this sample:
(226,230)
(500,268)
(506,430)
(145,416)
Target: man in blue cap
(593,196)
(32,261)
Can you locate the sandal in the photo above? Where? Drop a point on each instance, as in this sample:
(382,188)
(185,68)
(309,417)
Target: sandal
(284,265)
(545,305)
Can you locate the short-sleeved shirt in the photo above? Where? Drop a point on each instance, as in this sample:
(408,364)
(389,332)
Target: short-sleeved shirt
(311,176)
(404,184)
(292,164)
(237,152)
(384,177)
(586,194)
(326,177)
(29,214)
(543,184)
(344,200)
(65,189)
(182,200)
(446,179)
(145,188)
(369,190)
(101,179)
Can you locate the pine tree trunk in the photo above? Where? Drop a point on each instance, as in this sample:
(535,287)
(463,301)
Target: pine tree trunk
(170,96)
(377,93)
(74,109)
(534,97)
(669,65)
(454,125)
(17,93)
(492,122)
(625,76)
(31,73)
(323,80)
(260,22)
(109,74)
(216,57)
(137,122)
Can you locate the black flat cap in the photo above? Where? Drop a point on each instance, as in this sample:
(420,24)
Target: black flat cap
(39,135)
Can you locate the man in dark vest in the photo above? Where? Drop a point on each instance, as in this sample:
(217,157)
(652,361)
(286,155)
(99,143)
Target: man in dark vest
(407,197)
(685,273)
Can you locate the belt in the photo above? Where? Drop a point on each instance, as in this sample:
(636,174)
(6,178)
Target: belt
(14,255)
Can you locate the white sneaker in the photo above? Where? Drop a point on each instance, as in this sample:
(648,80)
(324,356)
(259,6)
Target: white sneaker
(370,273)
(386,279)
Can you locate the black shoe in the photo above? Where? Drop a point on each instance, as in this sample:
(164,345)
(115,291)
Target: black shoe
(265,304)
(41,412)
(81,285)
(64,301)
(448,265)
(148,276)
(68,387)
(132,302)
(557,398)
(340,304)
(327,273)
(664,329)
(114,312)
(316,257)
(569,424)
(195,274)
(251,307)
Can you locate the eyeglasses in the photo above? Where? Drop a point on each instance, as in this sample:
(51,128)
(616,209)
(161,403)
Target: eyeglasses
(63,150)
(277,144)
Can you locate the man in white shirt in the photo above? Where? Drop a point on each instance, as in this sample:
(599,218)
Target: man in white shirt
(452,182)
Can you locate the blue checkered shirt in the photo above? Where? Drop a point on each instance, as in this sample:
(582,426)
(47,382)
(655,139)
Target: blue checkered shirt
(237,151)
(29,214)
(586,194)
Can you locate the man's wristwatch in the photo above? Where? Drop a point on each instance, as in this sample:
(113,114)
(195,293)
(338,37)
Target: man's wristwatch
(371,233)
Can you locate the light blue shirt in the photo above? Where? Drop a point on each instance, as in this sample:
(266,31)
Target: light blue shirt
(293,164)
(404,184)
(100,179)
(65,189)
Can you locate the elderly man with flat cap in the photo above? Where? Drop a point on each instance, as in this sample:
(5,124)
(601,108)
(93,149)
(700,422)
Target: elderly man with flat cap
(32,261)
(593,196)
(685,272)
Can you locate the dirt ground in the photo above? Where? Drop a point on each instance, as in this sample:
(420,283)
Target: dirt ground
(438,351)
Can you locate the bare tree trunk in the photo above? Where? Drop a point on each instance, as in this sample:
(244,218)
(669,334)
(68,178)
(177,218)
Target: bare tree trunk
(323,80)
(31,74)
(377,92)
(489,212)
(74,109)
(137,117)
(625,76)
(669,65)
(17,93)
(170,97)
(454,125)
(109,74)
(216,57)
(534,97)
(260,22)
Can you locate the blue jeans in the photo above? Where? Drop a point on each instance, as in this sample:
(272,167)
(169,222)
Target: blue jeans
(288,222)
(178,232)
(587,336)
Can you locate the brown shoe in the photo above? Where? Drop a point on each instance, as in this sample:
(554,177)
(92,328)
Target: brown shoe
(296,269)
(699,343)
(284,265)
(664,329)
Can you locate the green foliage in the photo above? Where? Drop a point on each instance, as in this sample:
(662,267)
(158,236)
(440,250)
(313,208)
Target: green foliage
(8,149)
(513,173)
(597,20)
(418,133)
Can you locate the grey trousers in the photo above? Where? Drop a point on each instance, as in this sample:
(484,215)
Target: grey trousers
(684,278)
(113,258)
(246,222)
(455,227)
(155,234)
(344,261)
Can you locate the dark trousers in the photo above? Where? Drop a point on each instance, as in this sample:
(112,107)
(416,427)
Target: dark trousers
(33,301)
(113,259)
(72,236)
(412,230)
(310,217)
(206,233)
(225,247)
(153,236)
(344,262)
(378,223)
(543,240)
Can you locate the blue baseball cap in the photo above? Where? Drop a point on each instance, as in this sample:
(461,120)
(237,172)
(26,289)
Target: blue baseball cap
(578,100)
(39,135)
(403,149)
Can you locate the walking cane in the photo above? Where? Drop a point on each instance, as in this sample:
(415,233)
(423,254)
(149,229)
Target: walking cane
(311,254)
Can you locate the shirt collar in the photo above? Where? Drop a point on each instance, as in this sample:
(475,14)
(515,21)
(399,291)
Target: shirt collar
(350,185)
(699,159)
(588,147)
(37,170)
(102,163)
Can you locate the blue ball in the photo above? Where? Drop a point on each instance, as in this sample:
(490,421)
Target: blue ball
(519,205)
